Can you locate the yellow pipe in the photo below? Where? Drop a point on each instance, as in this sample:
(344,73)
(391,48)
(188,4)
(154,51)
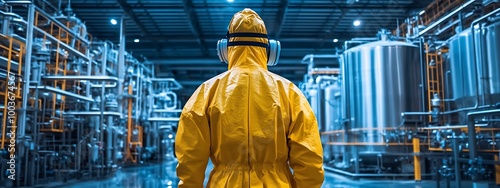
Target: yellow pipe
(416,159)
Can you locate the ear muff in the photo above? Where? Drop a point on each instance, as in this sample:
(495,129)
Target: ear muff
(273,49)
(273,53)
(222,50)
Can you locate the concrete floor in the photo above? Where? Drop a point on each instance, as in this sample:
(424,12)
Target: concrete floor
(163,175)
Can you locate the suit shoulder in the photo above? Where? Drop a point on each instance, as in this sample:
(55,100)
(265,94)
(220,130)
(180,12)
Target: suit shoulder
(279,78)
(210,82)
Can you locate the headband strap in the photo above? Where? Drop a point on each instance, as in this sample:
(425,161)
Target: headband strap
(257,35)
(247,43)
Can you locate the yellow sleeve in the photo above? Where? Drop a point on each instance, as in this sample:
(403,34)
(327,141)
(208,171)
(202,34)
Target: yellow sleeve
(192,142)
(306,152)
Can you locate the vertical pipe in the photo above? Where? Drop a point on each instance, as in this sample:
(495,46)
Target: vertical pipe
(27,69)
(138,96)
(5,25)
(456,155)
(121,64)
(416,159)
(422,75)
(471,130)
(109,141)
(101,119)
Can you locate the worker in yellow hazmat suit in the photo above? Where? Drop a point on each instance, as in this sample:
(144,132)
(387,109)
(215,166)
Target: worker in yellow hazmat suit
(253,125)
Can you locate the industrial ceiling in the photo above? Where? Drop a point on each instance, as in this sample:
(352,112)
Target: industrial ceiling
(181,36)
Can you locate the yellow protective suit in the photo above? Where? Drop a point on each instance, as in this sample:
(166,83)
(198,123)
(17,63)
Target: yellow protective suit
(253,125)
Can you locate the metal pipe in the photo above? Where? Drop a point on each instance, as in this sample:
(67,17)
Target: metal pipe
(471,129)
(423,74)
(103,99)
(448,16)
(464,109)
(92,113)
(92,78)
(27,71)
(121,64)
(456,155)
(18,2)
(404,114)
(163,119)
(174,105)
(113,85)
(138,95)
(177,85)
(368,175)
(167,110)
(352,42)
(310,57)
(109,142)
(62,92)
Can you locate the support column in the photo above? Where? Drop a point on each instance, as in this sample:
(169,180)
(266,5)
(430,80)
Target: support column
(416,159)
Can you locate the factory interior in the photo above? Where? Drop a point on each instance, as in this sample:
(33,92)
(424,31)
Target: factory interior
(406,93)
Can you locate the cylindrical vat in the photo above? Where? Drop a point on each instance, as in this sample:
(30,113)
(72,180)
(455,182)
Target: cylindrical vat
(383,80)
(482,54)
(463,68)
(312,94)
(332,107)
(492,34)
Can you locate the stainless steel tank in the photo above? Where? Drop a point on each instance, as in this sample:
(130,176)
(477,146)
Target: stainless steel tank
(463,75)
(492,34)
(383,79)
(466,57)
(332,119)
(332,107)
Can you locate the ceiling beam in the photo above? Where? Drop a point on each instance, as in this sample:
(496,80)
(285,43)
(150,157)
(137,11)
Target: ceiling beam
(281,18)
(126,8)
(195,25)
(92,8)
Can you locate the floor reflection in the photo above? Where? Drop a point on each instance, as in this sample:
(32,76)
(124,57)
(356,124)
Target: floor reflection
(163,175)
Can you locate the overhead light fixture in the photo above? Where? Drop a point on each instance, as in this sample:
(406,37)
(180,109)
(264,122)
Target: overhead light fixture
(335,40)
(356,23)
(230,1)
(421,12)
(113,21)
(136,40)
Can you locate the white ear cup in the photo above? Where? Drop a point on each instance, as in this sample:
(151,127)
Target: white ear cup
(222,50)
(273,51)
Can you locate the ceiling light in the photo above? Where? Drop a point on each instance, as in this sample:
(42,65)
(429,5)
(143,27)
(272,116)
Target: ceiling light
(230,1)
(421,12)
(113,21)
(335,40)
(136,40)
(356,23)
